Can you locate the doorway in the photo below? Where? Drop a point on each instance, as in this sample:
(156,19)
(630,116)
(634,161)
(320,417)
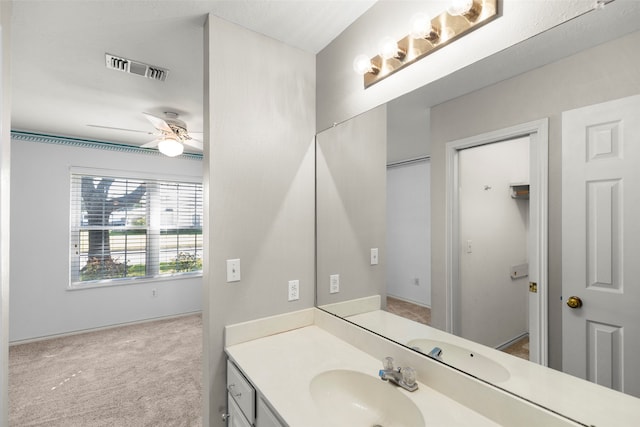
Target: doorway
(535,264)
(408,274)
(491,307)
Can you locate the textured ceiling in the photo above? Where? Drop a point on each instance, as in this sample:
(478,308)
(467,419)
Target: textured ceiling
(60,83)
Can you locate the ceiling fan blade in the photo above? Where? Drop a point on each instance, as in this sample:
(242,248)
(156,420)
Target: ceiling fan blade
(123,129)
(193,143)
(152,144)
(158,123)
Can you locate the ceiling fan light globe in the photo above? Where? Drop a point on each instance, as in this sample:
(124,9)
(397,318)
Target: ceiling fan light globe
(170,147)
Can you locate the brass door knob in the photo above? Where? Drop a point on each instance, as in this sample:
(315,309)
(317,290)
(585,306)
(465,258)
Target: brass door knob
(574,302)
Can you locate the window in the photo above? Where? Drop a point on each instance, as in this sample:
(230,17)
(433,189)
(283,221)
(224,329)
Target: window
(123,229)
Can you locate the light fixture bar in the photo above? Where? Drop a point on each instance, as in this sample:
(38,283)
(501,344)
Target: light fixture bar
(446,28)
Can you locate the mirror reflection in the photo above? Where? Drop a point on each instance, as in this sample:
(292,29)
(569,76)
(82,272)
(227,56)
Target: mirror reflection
(390,260)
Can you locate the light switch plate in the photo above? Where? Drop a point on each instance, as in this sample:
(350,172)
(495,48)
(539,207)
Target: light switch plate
(294,290)
(233,270)
(334,283)
(374,256)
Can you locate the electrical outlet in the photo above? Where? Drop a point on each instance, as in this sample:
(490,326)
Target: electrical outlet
(334,283)
(294,290)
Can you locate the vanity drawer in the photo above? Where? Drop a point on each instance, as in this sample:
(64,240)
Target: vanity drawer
(236,417)
(266,417)
(241,391)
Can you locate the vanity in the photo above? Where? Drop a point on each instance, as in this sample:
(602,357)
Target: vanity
(311,368)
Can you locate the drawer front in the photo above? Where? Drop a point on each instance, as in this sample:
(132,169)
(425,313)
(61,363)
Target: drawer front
(236,417)
(241,391)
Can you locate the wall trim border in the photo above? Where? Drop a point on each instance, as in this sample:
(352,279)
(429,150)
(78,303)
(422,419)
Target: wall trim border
(87,143)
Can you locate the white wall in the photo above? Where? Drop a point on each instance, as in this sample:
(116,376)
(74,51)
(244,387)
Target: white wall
(340,91)
(41,305)
(259,183)
(409,232)
(492,307)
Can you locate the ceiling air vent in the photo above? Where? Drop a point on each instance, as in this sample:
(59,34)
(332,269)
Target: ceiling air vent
(134,67)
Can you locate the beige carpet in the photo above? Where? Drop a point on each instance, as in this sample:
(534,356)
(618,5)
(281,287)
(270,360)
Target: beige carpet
(147,374)
(409,310)
(519,348)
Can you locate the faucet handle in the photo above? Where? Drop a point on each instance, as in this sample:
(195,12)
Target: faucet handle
(387,363)
(408,375)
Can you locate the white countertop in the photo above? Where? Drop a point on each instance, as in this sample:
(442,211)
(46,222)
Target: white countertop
(281,367)
(578,399)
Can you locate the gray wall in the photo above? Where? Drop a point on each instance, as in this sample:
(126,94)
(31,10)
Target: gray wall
(259,177)
(41,305)
(351,206)
(408,130)
(5,168)
(603,73)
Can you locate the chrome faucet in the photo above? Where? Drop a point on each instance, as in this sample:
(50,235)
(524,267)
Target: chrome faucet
(436,353)
(403,377)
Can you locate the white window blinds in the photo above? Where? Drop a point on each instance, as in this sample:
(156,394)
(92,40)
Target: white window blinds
(124,228)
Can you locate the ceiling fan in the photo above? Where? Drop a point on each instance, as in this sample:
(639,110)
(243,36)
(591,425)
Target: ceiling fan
(172,134)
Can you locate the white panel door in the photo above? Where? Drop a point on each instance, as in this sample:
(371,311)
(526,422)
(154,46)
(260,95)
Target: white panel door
(601,243)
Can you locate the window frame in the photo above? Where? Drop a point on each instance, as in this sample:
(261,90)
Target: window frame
(75,220)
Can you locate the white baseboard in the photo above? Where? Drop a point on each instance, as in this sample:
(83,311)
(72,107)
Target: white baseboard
(511,341)
(409,300)
(102,328)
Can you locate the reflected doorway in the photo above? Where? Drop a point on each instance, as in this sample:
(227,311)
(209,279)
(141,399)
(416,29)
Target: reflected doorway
(408,273)
(493,268)
(537,249)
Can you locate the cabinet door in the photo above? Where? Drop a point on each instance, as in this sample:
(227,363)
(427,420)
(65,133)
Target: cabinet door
(236,417)
(265,417)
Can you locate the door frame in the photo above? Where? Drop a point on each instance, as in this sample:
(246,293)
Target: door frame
(538,132)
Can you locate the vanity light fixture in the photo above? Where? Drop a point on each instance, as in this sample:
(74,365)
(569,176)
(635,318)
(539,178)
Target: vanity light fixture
(362,64)
(388,49)
(421,27)
(467,8)
(426,36)
(170,147)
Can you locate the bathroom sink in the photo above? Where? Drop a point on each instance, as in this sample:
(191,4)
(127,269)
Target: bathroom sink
(464,359)
(354,399)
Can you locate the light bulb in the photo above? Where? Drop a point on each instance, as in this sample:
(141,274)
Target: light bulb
(420,25)
(362,64)
(387,48)
(459,7)
(170,147)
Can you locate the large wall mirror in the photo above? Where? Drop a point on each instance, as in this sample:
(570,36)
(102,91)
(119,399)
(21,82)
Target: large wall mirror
(384,209)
